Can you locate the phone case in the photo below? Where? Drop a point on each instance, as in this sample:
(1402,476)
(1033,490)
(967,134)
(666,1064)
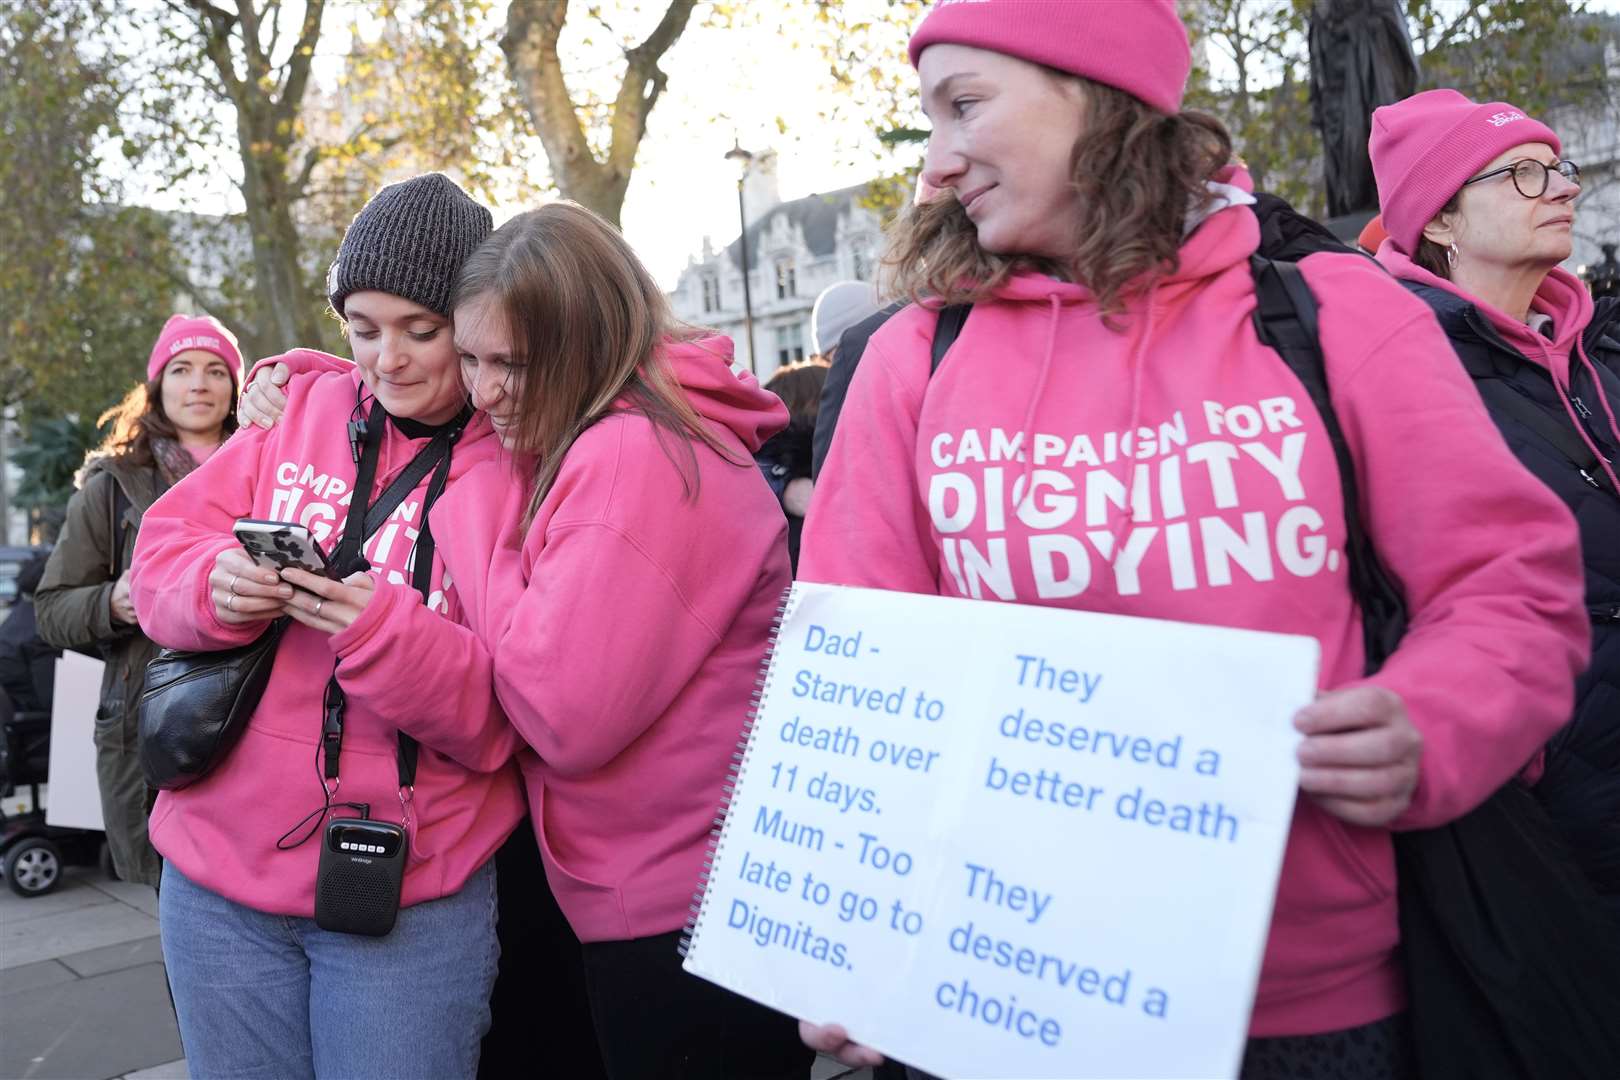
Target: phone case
(278,545)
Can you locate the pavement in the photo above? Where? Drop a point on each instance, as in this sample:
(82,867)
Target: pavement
(82,989)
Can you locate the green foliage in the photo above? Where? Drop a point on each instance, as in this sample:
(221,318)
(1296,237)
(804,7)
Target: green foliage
(1265,100)
(864,45)
(51,453)
(1507,50)
(85,289)
(1252,71)
(422,88)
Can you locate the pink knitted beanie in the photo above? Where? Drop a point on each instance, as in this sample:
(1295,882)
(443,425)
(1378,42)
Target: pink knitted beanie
(1138,46)
(183,332)
(1425,147)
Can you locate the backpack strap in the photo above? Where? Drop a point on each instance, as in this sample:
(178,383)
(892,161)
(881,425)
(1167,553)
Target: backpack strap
(952,318)
(1285,320)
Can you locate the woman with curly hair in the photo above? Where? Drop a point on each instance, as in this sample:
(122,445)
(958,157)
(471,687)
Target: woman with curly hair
(163,429)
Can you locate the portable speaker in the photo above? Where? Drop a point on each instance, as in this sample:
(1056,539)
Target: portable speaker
(358,882)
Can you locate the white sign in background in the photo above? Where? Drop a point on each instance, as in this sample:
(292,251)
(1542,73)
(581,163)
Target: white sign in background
(998,840)
(75,798)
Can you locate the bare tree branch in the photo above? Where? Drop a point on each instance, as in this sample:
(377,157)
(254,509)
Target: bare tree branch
(171,272)
(530,45)
(299,187)
(258,64)
(1455,27)
(216,27)
(272,15)
(298,64)
(300,184)
(643,82)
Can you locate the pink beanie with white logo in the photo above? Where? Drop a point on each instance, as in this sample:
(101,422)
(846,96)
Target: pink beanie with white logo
(1425,147)
(184,332)
(1138,46)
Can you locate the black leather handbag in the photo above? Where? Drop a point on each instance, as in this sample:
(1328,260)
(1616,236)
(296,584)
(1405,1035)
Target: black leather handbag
(197,704)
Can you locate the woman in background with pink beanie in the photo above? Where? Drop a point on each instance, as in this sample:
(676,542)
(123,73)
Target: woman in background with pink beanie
(1479,206)
(1103,238)
(163,429)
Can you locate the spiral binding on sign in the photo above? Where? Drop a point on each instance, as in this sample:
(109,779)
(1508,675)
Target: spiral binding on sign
(737,769)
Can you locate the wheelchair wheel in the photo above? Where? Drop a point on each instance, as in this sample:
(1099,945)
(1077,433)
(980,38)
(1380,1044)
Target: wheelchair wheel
(34,867)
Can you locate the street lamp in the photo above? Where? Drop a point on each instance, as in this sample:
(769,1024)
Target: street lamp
(744,159)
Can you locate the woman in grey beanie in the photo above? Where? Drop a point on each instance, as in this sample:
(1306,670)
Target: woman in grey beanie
(371,712)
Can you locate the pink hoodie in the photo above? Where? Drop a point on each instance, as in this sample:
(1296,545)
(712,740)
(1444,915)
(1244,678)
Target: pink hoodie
(629,623)
(404,667)
(1190,449)
(1564,300)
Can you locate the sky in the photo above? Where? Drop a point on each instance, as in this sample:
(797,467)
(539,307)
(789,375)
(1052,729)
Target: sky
(753,85)
(761,87)
(683,189)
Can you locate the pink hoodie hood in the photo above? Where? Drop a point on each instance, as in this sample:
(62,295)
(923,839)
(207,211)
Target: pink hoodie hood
(1562,298)
(1175,468)
(723,392)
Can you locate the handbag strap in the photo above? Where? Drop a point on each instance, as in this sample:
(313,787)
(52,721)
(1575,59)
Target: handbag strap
(362,522)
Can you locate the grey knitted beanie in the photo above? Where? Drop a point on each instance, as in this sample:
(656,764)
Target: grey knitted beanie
(409,240)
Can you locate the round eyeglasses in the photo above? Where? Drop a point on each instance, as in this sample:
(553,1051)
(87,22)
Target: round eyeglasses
(1531,177)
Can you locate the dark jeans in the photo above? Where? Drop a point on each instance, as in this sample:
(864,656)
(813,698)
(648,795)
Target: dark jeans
(656,1022)
(1381,1050)
(539,999)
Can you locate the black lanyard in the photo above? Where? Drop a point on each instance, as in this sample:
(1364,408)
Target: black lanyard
(362,522)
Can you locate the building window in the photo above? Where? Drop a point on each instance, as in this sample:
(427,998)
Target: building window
(863,262)
(787,279)
(711,292)
(789,343)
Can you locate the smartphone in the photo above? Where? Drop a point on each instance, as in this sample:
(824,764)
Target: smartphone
(277,545)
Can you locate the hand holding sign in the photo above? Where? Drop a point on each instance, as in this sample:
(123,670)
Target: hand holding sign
(968,831)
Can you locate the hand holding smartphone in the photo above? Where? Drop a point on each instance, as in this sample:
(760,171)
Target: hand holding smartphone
(280,545)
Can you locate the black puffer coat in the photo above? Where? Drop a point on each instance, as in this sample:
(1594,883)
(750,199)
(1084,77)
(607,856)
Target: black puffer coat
(1581,785)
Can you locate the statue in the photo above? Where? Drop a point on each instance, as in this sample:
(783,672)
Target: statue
(1361,58)
(1604,278)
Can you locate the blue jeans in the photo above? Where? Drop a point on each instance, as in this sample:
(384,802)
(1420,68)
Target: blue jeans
(278,998)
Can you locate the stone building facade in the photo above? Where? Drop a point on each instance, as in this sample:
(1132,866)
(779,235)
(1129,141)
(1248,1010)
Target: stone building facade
(795,250)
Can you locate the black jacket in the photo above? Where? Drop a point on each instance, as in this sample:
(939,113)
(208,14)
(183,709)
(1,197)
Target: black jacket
(1581,785)
(845,359)
(27,664)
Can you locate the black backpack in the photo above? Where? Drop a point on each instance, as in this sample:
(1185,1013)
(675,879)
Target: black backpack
(1510,961)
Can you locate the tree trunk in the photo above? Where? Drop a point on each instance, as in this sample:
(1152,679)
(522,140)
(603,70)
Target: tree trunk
(288,315)
(530,45)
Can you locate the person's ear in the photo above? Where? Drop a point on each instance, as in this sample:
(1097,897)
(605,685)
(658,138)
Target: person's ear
(1443,229)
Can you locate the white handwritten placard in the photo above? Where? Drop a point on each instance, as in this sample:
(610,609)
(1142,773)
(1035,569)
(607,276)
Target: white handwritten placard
(999,840)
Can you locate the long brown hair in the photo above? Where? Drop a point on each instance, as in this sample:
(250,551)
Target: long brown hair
(1136,173)
(588,323)
(139,418)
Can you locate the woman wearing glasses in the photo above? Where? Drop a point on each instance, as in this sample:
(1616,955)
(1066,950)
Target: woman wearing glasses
(1479,208)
